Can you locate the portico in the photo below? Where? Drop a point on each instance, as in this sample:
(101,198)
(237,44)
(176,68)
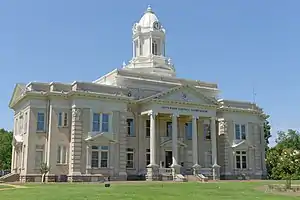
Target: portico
(176,114)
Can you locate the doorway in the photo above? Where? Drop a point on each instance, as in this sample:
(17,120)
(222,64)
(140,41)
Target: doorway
(168,159)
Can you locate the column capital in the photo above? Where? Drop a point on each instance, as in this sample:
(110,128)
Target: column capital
(175,115)
(153,113)
(213,118)
(195,117)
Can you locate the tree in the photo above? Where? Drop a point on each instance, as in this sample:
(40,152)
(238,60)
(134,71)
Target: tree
(282,161)
(5,149)
(288,166)
(44,169)
(267,132)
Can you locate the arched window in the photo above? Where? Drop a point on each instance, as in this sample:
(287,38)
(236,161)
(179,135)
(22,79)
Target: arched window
(154,48)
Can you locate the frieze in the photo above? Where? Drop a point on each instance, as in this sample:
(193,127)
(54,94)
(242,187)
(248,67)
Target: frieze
(184,109)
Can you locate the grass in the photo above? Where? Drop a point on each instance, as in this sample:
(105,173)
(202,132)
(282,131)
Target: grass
(143,191)
(4,186)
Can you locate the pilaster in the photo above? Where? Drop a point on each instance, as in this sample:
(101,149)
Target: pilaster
(122,146)
(75,144)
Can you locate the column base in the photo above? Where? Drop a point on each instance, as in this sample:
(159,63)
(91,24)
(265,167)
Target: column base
(196,169)
(152,172)
(175,169)
(216,172)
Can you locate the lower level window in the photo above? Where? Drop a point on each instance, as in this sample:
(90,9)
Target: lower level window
(99,156)
(39,156)
(130,158)
(61,155)
(147,157)
(241,159)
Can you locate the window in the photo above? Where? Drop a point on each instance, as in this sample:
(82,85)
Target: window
(188,130)
(208,159)
(62,119)
(240,131)
(169,129)
(147,128)
(40,121)
(130,159)
(100,122)
(130,127)
(99,156)
(105,122)
(147,157)
(62,155)
(141,48)
(39,156)
(207,131)
(241,159)
(154,48)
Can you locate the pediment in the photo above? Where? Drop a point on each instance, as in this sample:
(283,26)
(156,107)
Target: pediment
(241,145)
(101,137)
(18,91)
(183,93)
(168,143)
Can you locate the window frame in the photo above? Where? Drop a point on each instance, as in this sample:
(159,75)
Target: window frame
(241,135)
(38,150)
(147,128)
(155,47)
(101,122)
(37,122)
(130,127)
(100,150)
(62,155)
(130,151)
(148,154)
(240,154)
(207,131)
(62,119)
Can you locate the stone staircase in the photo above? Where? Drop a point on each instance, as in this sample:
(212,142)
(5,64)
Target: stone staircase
(11,177)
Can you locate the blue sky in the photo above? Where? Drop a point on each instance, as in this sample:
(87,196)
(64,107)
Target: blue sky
(237,44)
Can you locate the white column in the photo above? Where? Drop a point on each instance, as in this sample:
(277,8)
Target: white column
(216,167)
(195,141)
(152,140)
(174,140)
(87,158)
(213,140)
(13,158)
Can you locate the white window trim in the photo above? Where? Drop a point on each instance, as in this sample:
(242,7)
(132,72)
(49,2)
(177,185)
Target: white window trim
(44,128)
(99,156)
(60,161)
(100,125)
(42,161)
(241,155)
(133,153)
(240,125)
(63,115)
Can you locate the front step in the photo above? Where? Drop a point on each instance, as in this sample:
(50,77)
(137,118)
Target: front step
(180,178)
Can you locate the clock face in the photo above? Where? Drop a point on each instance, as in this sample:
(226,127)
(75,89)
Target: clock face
(156,25)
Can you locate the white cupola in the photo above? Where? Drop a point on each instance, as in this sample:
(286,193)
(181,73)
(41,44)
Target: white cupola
(149,46)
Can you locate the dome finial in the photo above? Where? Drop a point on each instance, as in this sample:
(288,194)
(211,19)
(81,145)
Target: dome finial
(149,9)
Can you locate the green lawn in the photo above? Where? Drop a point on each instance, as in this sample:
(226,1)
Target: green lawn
(142,191)
(4,186)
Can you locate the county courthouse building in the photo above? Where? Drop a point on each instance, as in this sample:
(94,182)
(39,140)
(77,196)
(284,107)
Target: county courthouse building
(141,119)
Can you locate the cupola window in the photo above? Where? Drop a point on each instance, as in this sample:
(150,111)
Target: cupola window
(154,48)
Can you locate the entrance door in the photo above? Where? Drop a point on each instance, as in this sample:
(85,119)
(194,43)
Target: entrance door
(168,159)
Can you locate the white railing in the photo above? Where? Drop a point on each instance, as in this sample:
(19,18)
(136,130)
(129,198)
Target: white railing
(165,171)
(206,171)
